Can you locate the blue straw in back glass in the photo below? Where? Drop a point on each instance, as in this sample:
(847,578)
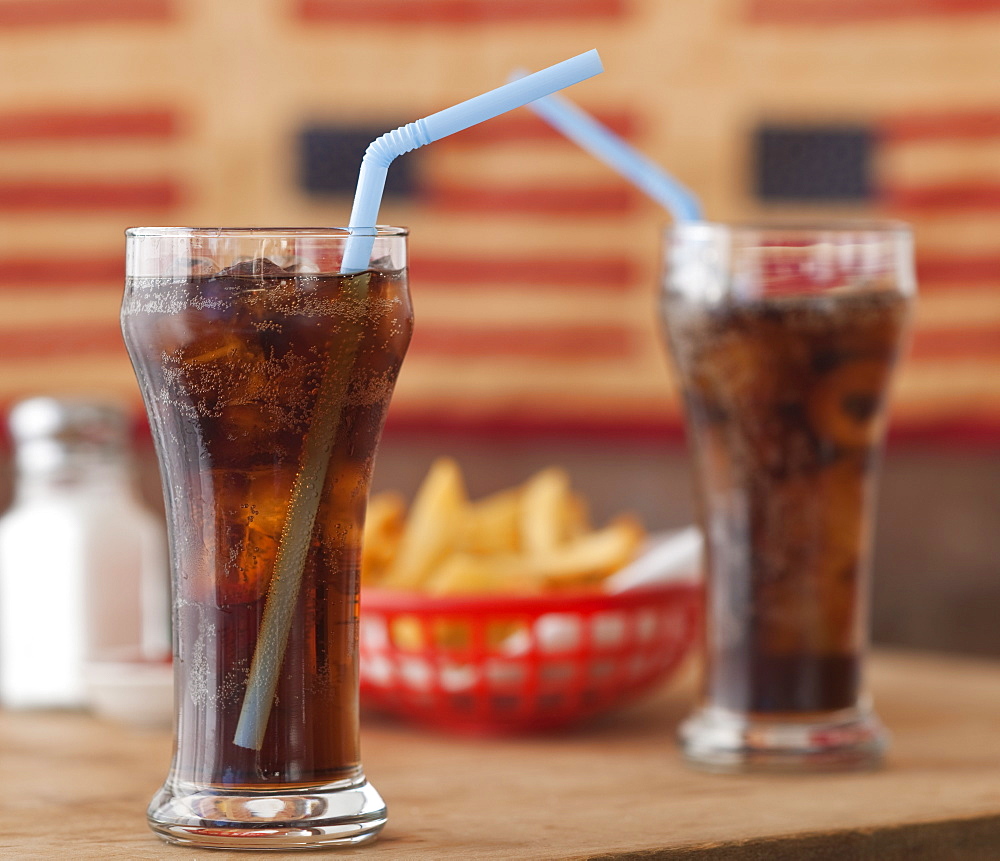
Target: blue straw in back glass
(605,145)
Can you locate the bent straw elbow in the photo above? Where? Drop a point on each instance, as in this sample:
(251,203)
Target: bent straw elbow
(406,138)
(374,168)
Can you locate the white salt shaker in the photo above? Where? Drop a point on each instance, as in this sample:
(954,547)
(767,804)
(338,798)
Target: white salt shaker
(83,568)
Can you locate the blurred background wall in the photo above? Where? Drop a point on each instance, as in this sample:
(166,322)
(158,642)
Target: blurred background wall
(534,269)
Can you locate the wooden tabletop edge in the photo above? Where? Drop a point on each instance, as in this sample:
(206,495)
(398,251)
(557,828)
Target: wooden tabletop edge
(974,838)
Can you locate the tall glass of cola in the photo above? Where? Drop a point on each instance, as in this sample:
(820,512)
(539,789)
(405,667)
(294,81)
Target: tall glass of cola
(266,372)
(785,340)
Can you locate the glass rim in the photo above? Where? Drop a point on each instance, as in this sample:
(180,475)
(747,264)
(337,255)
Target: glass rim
(381,230)
(808,227)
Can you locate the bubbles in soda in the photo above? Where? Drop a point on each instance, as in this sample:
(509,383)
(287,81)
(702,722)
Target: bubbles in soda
(786,404)
(231,382)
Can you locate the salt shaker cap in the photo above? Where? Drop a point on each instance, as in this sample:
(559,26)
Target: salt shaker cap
(70,423)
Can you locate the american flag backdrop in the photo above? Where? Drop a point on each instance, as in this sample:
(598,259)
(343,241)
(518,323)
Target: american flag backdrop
(534,270)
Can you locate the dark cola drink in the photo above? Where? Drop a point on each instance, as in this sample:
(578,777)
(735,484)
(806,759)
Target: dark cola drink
(786,402)
(785,340)
(231,364)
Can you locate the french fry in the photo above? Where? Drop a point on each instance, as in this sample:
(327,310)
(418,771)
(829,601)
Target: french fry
(523,540)
(544,502)
(576,518)
(384,524)
(435,521)
(466,574)
(492,525)
(591,557)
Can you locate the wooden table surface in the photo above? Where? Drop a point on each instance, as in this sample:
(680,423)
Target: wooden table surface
(72,787)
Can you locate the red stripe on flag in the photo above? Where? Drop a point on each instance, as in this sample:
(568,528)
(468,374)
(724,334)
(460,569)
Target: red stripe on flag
(812,12)
(946,197)
(523,126)
(456,11)
(44,271)
(60,341)
(962,430)
(62,125)
(614,274)
(964,125)
(526,342)
(977,270)
(601,421)
(967,342)
(54,196)
(593,200)
(34,13)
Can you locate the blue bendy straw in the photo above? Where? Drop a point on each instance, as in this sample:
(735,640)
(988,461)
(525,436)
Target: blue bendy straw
(602,143)
(381,152)
(293,548)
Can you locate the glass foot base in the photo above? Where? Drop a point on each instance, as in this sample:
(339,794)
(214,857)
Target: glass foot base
(345,813)
(716,740)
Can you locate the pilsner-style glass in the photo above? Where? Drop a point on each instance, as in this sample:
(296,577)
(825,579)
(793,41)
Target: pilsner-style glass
(785,340)
(266,374)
